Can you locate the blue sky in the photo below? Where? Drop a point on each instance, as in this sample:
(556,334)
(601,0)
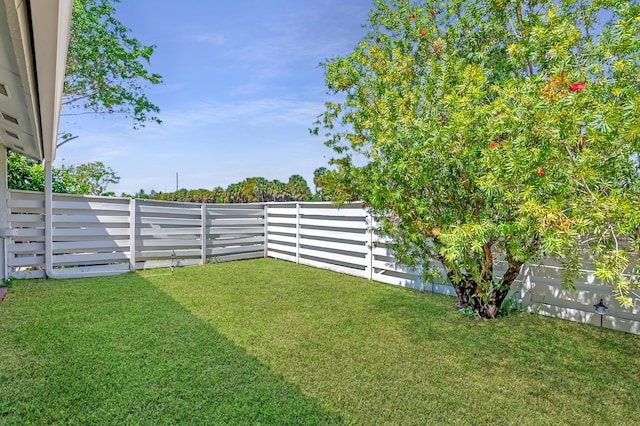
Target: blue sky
(241,88)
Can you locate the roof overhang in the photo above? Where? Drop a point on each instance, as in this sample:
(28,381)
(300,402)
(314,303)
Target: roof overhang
(33,46)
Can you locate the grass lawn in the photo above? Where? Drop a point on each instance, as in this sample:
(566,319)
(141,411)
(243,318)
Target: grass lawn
(270,342)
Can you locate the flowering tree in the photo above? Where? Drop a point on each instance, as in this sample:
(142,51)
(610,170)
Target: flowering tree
(493,130)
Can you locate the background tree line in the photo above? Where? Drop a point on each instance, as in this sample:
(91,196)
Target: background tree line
(250,190)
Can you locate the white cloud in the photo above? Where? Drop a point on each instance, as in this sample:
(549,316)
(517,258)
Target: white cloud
(249,113)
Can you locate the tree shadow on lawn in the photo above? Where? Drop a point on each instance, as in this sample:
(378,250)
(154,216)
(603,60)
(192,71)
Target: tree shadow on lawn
(120,351)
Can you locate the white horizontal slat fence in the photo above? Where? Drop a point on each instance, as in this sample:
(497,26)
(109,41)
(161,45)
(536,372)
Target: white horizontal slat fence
(343,239)
(105,235)
(97,235)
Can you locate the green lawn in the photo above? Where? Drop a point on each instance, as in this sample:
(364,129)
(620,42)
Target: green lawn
(270,342)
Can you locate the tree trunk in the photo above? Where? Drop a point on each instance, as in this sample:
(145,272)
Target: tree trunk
(465,290)
(487,305)
(489,309)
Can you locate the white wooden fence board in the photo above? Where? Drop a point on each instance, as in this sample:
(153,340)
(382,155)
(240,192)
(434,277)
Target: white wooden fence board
(90,232)
(25,247)
(146,211)
(26,218)
(79,220)
(162,232)
(77,206)
(281,256)
(283,238)
(153,264)
(331,267)
(83,258)
(89,245)
(628,325)
(330,245)
(227,241)
(240,256)
(395,267)
(24,261)
(412,282)
(281,247)
(237,222)
(160,254)
(281,230)
(234,250)
(110,269)
(217,213)
(30,274)
(162,242)
(331,256)
(146,220)
(341,235)
(248,231)
(334,212)
(19,204)
(579,299)
(282,220)
(18,233)
(332,224)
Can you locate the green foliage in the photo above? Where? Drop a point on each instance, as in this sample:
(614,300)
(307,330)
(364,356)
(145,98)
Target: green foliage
(89,179)
(511,305)
(250,190)
(298,188)
(496,130)
(106,68)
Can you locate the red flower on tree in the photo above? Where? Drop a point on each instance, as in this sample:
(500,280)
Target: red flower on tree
(437,47)
(492,145)
(577,86)
(422,32)
(433,13)
(413,16)
(440,120)
(540,171)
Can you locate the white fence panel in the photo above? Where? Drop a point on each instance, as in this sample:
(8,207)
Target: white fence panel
(167,233)
(25,241)
(89,233)
(234,232)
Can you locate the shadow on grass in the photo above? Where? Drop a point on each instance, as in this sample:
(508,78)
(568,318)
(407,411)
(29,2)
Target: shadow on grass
(119,351)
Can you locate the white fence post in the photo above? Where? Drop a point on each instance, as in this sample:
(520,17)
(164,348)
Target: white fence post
(132,234)
(266,230)
(369,255)
(203,236)
(297,232)
(4,214)
(48,219)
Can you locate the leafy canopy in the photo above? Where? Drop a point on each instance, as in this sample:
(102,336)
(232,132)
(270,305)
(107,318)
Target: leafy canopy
(106,68)
(495,129)
(89,178)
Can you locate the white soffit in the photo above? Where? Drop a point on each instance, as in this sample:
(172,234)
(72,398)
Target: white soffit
(33,47)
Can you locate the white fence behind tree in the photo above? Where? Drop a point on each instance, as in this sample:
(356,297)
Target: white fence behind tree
(343,239)
(98,235)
